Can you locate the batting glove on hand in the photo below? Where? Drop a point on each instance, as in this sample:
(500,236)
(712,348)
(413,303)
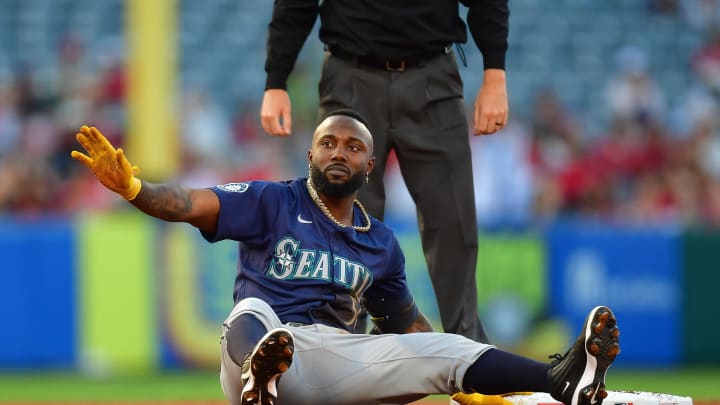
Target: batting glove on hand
(107,163)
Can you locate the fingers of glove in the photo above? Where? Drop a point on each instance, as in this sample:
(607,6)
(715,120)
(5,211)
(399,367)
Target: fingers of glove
(94,142)
(108,168)
(122,170)
(108,164)
(85,143)
(82,158)
(122,162)
(479,399)
(95,160)
(100,141)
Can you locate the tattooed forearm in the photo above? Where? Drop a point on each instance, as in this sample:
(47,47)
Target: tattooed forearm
(165,201)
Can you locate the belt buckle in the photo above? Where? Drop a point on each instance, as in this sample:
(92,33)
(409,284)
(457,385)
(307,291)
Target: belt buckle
(400,68)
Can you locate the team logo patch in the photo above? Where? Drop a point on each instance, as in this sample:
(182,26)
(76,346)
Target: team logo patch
(235,187)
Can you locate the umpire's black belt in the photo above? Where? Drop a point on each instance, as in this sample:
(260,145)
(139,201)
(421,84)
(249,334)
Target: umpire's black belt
(394,65)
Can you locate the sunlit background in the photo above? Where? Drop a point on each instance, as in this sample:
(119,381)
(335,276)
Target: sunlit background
(603,189)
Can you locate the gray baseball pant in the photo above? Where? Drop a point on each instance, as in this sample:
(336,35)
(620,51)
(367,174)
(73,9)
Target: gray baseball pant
(332,366)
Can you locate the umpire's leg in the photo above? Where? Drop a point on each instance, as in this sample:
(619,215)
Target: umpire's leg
(431,140)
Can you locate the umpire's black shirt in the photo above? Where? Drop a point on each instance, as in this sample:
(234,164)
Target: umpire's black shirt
(384,29)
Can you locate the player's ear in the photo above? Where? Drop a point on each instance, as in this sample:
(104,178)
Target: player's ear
(370,165)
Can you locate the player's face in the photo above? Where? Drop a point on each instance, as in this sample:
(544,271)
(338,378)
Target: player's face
(340,157)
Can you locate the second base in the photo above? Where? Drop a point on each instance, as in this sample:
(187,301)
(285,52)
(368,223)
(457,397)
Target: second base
(613,398)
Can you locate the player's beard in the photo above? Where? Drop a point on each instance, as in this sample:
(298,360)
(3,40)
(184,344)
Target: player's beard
(344,189)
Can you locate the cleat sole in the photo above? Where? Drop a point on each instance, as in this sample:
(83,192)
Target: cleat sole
(271,358)
(604,347)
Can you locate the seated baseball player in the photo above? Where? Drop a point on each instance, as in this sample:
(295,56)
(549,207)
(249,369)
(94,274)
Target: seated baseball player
(309,258)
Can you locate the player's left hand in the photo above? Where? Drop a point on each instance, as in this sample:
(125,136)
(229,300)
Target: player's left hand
(491,104)
(479,399)
(107,163)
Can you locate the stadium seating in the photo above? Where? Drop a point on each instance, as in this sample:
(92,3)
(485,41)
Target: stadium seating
(569,44)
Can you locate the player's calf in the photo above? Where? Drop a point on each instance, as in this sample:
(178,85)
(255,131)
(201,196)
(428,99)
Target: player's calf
(263,367)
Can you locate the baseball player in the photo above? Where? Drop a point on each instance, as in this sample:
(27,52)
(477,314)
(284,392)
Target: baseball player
(309,257)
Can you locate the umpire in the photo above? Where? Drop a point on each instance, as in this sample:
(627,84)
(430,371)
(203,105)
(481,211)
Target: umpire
(392,61)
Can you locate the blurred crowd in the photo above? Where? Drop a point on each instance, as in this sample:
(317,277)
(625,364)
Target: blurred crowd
(42,109)
(39,114)
(657,159)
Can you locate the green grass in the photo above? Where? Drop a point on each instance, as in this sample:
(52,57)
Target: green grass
(73,387)
(698,383)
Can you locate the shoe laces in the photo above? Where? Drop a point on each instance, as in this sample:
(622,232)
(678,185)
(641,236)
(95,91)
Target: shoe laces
(245,369)
(557,358)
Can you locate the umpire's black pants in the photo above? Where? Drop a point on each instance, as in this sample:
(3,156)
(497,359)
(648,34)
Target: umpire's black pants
(420,113)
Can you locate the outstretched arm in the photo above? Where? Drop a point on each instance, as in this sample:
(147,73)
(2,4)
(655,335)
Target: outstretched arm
(174,203)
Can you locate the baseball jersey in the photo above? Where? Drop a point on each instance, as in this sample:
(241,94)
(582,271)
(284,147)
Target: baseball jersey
(292,256)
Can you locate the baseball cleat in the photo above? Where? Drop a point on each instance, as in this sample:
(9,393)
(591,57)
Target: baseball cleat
(262,368)
(578,377)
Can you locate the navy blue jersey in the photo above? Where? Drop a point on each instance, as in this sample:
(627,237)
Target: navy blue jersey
(293,257)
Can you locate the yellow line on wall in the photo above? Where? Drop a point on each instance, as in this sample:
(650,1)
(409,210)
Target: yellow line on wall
(152,63)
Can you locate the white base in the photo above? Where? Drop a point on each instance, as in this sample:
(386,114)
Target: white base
(613,398)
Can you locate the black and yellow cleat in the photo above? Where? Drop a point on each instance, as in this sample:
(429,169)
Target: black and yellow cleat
(578,377)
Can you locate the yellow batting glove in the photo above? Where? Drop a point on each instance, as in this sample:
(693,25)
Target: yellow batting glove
(479,399)
(107,163)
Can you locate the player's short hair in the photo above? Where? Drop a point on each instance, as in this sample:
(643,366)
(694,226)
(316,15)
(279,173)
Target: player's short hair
(346,112)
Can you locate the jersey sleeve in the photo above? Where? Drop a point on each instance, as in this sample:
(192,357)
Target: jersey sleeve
(247,210)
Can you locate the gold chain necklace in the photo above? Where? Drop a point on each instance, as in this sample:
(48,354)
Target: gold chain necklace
(316,198)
